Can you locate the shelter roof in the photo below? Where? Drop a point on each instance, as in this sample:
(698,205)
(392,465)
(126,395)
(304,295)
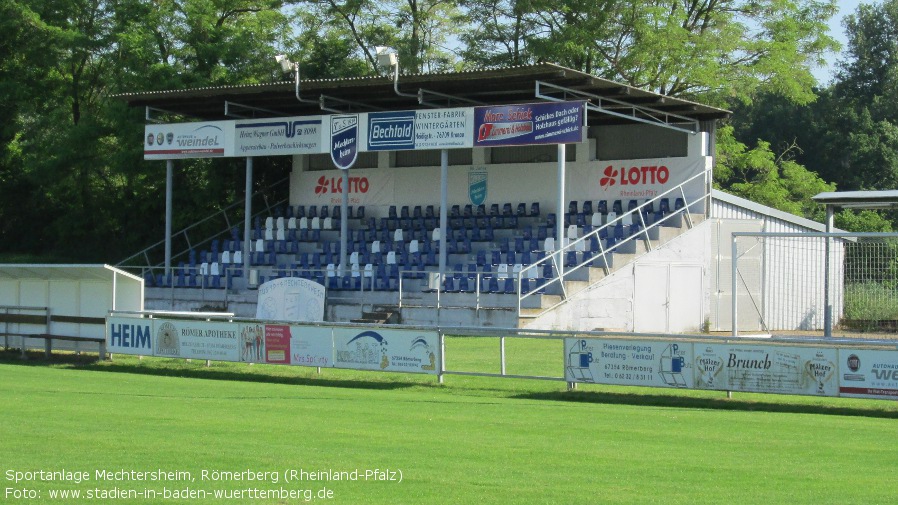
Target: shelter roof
(62,272)
(489,86)
(859,199)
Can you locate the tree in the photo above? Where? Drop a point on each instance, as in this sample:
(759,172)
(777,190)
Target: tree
(760,175)
(716,50)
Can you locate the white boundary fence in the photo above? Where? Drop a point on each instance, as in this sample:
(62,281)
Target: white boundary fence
(817,367)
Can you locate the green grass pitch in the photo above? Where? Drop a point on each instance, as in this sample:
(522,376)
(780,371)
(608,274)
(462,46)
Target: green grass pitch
(470,440)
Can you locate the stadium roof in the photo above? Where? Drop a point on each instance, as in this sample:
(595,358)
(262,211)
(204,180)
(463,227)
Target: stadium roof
(490,86)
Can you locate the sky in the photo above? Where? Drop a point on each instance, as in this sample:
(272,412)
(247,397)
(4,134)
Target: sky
(825,74)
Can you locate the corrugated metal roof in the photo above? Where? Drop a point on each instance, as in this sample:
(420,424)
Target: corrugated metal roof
(491,85)
(769,211)
(859,199)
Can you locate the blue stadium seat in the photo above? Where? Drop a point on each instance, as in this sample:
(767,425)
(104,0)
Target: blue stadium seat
(511,258)
(679,204)
(664,206)
(485,284)
(481,258)
(534,209)
(360,212)
(509,286)
(522,210)
(587,208)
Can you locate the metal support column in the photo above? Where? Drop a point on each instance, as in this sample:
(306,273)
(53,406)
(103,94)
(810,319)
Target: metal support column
(344,222)
(559,238)
(444,210)
(827,281)
(247,216)
(169,176)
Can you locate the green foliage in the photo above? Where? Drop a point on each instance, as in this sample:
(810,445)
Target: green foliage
(761,176)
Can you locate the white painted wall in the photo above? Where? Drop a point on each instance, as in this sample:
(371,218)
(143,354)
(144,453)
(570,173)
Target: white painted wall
(611,303)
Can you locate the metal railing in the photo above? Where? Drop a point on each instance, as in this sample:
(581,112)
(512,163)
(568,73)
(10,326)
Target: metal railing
(580,244)
(230,215)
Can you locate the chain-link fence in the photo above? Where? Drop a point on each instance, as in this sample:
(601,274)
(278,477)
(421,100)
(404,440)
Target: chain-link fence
(780,281)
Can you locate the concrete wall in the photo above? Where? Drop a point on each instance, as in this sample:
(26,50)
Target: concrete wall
(612,304)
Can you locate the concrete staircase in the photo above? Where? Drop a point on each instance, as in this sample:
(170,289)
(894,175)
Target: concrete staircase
(585,277)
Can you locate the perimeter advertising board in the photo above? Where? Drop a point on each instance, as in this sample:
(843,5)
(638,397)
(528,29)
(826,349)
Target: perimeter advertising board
(128,335)
(311,346)
(196,340)
(188,140)
(387,350)
(866,373)
(726,367)
(766,369)
(631,363)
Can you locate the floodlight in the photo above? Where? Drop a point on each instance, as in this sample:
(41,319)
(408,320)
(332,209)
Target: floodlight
(386,57)
(286,64)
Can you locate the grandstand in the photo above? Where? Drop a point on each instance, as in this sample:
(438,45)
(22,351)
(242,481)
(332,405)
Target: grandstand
(630,232)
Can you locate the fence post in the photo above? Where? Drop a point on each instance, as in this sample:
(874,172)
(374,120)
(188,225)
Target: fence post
(442,344)
(502,353)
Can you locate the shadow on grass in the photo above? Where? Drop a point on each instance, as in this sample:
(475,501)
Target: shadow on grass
(705,403)
(186,370)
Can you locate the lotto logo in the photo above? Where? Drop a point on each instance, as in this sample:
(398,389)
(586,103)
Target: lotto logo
(335,185)
(634,176)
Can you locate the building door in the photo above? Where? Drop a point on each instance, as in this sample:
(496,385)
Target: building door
(668,298)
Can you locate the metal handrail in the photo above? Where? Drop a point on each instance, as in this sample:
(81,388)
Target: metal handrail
(559,253)
(125,263)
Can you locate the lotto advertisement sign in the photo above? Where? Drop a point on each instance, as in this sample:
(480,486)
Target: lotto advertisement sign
(645,179)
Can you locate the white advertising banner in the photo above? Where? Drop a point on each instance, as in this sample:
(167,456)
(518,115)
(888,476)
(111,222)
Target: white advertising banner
(866,373)
(291,299)
(311,346)
(188,140)
(418,129)
(129,335)
(280,136)
(642,179)
(366,187)
(197,340)
(629,363)
(387,350)
(766,369)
